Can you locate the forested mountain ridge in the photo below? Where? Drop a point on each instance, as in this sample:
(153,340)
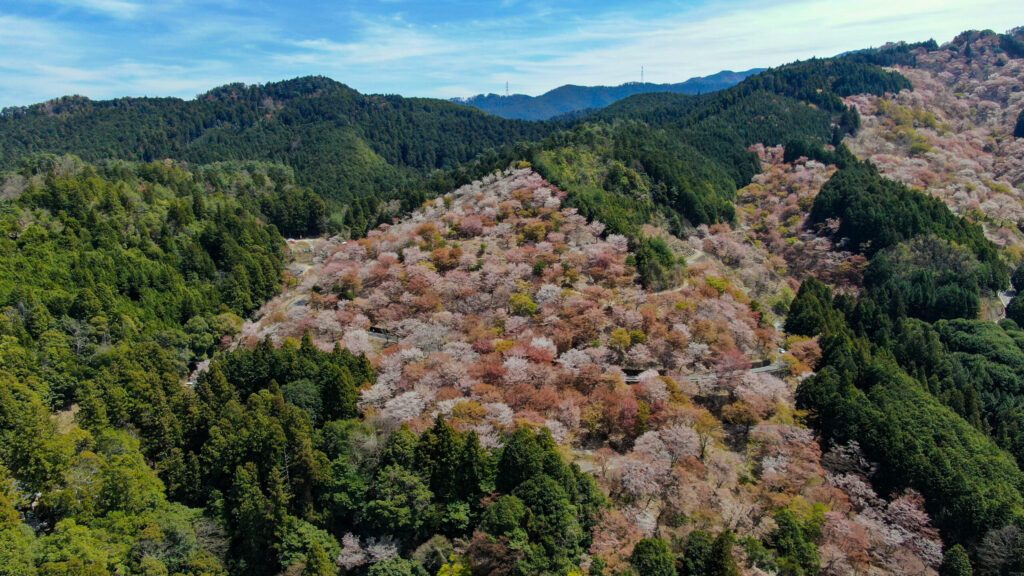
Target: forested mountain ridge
(680,159)
(343,144)
(571,98)
(548,370)
(361,152)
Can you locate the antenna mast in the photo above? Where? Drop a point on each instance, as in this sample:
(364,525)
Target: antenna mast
(641,73)
(506,88)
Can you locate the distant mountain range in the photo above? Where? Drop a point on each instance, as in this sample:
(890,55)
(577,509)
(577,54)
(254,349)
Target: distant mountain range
(571,98)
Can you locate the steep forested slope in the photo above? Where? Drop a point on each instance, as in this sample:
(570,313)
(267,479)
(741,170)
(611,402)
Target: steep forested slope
(113,281)
(412,399)
(340,142)
(909,371)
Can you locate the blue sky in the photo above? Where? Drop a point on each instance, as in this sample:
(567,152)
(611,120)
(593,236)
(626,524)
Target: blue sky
(440,48)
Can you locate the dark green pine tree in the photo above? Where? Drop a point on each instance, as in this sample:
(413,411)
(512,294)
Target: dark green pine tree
(695,560)
(438,458)
(400,449)
(721,561)
(956,563)
(340,392)
(253,518)
(811,311)
(521,459)
(317,562)
(471,475)
(552,519)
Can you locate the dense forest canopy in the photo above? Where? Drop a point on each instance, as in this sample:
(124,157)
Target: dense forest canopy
(100,260)
(341,143)
(136,436)
(357,150)
(117,280)
(908,372)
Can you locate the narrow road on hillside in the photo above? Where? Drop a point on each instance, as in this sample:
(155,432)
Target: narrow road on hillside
(776,367)
(1005,296)
(697,256)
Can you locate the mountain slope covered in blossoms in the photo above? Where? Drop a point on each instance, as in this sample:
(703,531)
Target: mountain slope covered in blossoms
(495,306)
(769,330)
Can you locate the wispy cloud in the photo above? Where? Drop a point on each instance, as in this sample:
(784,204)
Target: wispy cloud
(19,33)
(446,48)
(122,9)
(610,47)
(378,43)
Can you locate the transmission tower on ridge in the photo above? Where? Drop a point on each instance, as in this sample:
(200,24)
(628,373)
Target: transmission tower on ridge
(641,74)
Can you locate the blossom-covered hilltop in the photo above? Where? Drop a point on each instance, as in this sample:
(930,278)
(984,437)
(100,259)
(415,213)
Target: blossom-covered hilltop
(953,134)
(497,305)
(497,293)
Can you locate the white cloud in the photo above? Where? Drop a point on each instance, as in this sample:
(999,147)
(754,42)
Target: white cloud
(18,33)
(748,35)
(538,51)
(121,9)
(378,43)
(125,78)
(188,46)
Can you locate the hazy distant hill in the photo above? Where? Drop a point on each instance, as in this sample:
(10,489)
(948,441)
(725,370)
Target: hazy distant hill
(570,98)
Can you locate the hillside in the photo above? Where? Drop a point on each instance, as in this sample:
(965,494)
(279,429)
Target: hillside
(953,134)
(570,98)
(495,306)
(680,159)
(341,143)
(767,330)
(113,281)
(373,157)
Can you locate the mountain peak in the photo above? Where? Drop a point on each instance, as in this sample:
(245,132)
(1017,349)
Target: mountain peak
(302,86)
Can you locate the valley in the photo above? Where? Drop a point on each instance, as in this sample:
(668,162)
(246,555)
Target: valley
(293,329)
